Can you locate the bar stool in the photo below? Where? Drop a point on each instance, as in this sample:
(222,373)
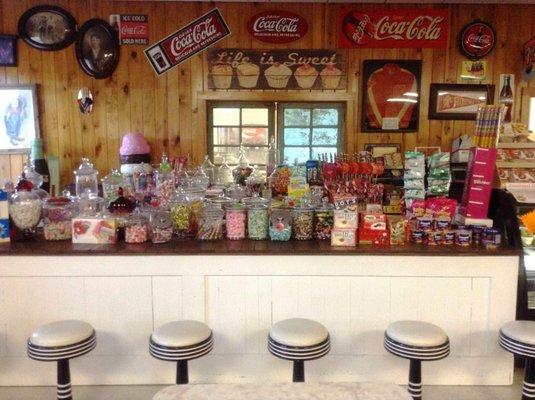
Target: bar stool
(416,341)
(298,340)
(60,341)
(180,341)
(518,337)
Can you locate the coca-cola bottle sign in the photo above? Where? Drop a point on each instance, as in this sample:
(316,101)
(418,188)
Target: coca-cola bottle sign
(277,26)
(477,39)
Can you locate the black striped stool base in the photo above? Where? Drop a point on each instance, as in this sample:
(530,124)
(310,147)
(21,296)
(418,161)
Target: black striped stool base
(528,388)
(415,379)
(64,391)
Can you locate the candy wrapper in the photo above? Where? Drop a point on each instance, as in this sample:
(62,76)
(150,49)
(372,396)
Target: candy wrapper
(439,176)
(397,227)
(440,207)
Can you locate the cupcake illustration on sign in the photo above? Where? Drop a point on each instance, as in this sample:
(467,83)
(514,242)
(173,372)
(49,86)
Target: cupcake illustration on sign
(330,77)
(278,75)
(222,76)
(306,76)
(248,74)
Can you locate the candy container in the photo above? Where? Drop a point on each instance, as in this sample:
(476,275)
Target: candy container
(90,205)
(323,221)
(181,213)
(280,224)
(110,186)
(279,181)
(136,229)
(417,236)
(397,226)
(477,236)
(86,178)
(303,222)
(165,182)
(449,237)
(255,183)
(57,218)
(211,222)
(209,169)
(257,221)
(236,217)
(224,174)
(463,237)
(243,170)
(491,238)
(161,226)
(25,211)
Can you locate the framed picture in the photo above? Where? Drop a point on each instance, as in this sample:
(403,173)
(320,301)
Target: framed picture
(47,27)
(8,51)
(458,101)
(390,95)
(19,120)
(382,149)
(97,48)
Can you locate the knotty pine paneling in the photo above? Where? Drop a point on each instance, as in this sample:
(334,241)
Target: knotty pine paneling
(170,110)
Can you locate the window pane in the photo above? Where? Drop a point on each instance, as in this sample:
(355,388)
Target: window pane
(296,136)
(301,153)
(226,116)
(253,136)
(321,150)
(226,136)
(296,116)
(325,136)
(254,116)
(231,153)
(256,155)
(325,116)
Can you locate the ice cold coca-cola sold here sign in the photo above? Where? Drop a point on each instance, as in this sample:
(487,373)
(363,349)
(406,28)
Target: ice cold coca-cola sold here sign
(188,41)
(277,26)
(390,28)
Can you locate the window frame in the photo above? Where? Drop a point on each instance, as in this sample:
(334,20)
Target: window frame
(281,106)
(271,106)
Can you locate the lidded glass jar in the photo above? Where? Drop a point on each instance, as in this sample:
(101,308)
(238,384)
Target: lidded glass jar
(181,213)
(236,220)
(209,169)
(243,170)
(25,211)
(136,229)
(90,205)
(257,217)
(211,221)
(323,220)
(161,226)
(201,179)
(303,221)
(110,186)
(224,174)
(280,224)
(58,213)
(165,182)
(86,178)
(255,183)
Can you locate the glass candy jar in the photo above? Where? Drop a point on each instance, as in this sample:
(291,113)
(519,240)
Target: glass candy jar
(209,170)
(90,205)
(235,218)
(86,178)
(165,182)
(181,213)
(257,218)
(58,213)
(224,174)
(255,183)
(280,224)
(303,222)
(25,211)
(110,186)
(161,226)
(211,222)
(243,170)
(323,221)
(136,229)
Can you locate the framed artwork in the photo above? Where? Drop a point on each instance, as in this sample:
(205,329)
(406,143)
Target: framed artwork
(382,149)
(47,27)
(8,51)
(19,120)
(390,95)
(458,101)
(97,48)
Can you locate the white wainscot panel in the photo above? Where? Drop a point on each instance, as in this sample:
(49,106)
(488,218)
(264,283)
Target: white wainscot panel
(167,292)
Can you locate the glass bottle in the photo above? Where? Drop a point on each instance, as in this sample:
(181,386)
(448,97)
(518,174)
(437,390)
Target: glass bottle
(257,217)
(280,224)
(506,97)
(86,178)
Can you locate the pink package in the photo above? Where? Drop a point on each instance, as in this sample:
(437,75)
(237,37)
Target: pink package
(478,184)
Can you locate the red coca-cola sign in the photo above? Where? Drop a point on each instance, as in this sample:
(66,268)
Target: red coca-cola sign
(188,41)
(277,26)
(391,28)
(132,28)
(477,39)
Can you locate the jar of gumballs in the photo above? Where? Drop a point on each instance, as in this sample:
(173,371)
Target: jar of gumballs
(280,224)
(136,229)
(236,220)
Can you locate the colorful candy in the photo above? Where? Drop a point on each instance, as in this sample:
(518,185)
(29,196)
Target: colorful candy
(235,223)
(136,233)
(257,223)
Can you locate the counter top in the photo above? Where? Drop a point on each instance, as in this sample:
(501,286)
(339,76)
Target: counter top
(242,247)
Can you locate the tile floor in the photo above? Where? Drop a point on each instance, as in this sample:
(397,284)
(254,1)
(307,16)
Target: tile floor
(146,392)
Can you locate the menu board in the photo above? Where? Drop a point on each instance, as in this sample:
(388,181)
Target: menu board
(298,69)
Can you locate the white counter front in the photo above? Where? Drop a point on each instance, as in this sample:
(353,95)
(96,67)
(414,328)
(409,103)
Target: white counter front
(241,296)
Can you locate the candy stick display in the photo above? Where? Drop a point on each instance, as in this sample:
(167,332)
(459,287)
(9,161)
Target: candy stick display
(488,124)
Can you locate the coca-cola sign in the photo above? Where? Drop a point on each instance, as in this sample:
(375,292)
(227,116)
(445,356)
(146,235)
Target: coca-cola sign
(477,39)
(187,41)
(133,29)
(277,26)
(391,28)
(529,59)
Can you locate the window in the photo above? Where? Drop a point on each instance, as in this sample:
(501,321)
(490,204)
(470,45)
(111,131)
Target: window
(309,129)
(303,130)
(231,125)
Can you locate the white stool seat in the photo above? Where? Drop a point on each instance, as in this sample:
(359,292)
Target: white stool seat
(417,334)
(181,334)
(61,333)
(521,331)
(298,332)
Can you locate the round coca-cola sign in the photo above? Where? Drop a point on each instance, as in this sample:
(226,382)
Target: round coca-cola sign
(277,26)
(477,39)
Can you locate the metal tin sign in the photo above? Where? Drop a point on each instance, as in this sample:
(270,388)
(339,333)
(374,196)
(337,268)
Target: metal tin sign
(277,26)
(187,41)
(529,58)
(477,39)
(132,28)
(386,28)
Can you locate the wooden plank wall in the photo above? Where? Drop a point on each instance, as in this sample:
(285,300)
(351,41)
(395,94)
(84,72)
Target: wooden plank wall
(170,110)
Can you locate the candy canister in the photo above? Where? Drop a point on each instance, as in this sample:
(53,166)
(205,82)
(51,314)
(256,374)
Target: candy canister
(303,222)
(25,209)
(323,221)
(280,224)
(86,178)
(136,229)
(58,213)
(161,226)
(236,217)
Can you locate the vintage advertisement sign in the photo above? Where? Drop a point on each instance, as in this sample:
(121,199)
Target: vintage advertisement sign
(529,59)
(391,28)
(477,39)
(298,69)
(277,26)
(474,70)
(133,29)
(187,41)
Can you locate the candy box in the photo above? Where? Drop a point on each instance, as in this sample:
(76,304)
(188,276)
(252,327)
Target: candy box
(397,228)
(346,219)
(94,230)
(343,237)
(372,228)
(4,230)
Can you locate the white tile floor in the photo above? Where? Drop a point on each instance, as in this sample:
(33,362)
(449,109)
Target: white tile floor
(146,392)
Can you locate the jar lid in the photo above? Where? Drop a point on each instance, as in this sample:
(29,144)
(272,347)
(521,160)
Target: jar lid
(235,207)
(255,200)
(85,168)
(58,201)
